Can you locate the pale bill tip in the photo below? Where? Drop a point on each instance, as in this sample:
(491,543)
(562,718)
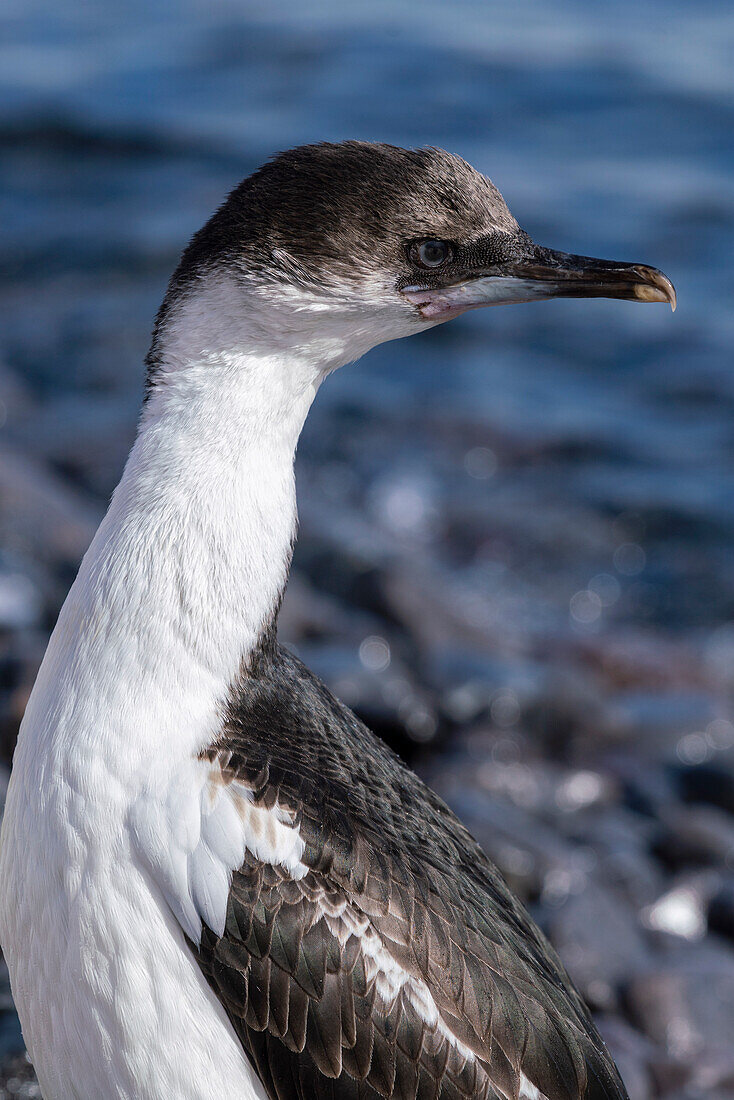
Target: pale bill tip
(646,292)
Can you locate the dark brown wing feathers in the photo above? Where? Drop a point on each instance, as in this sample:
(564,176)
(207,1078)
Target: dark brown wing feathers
(314,1015)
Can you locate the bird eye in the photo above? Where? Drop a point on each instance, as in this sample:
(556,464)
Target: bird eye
(430,253)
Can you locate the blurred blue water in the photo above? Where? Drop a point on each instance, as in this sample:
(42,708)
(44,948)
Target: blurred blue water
(609,128)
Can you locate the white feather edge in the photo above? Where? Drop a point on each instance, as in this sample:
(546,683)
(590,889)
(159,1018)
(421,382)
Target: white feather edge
(195,878)
(193,867)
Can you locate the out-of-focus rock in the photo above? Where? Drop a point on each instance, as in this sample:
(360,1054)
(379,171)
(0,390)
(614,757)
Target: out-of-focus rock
(694,1092)
(11,1040)
(711,783)
(87,438)
(569,715)
(685,1003)
(437,614)
(21,601)
(696,834)
(658,721)
(41,517)
(20,657)
(17,1079)
(620,838)
(632,1053)
(648,788)
(629,659)
(15,398)
(599,940)
(721,909)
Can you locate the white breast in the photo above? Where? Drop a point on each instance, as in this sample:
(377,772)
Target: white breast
(105,802)
(112,1001)
(108,851)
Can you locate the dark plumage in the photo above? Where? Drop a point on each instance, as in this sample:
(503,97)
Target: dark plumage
(379,841)
(329,213)
(342,210)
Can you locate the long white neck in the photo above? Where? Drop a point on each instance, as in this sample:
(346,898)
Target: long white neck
(103,857)
(188,566)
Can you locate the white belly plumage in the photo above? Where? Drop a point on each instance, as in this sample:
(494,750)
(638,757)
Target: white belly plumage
(112,1002)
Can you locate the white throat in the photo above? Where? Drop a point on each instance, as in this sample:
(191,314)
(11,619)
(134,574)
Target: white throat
(188,566)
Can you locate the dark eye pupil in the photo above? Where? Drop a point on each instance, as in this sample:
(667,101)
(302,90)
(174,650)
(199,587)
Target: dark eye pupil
(433,253)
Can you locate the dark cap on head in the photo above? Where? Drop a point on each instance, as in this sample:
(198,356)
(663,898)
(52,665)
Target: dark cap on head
(340,210)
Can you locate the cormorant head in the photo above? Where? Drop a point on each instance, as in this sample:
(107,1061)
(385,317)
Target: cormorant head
(344,246)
